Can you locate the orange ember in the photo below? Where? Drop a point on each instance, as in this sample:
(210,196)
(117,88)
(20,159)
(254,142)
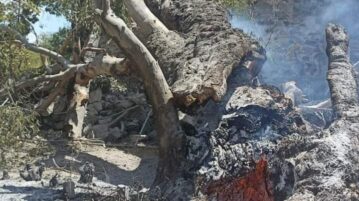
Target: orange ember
(253,187)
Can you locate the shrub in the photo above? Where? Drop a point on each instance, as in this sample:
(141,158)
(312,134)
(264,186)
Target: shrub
(16,126)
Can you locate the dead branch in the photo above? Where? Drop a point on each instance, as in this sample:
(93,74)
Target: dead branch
(122,114)
(42,78)
(102,65)
(4,102)
(144,18)
(59,89)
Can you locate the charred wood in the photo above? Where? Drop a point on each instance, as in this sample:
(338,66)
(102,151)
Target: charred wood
(210,49)
(341,75)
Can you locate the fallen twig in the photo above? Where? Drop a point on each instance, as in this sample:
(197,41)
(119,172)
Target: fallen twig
(122,114)
(7,99)
(146,120)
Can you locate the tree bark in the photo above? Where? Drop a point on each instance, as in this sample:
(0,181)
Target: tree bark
(170,134)
(341,75)
(209,51)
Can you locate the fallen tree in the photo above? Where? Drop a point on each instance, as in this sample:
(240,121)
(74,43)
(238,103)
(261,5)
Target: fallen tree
(73,76)
(203,57)
(233,141)
(197,66)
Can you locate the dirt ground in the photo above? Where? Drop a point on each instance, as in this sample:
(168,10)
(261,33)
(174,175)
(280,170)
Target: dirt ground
(115,165)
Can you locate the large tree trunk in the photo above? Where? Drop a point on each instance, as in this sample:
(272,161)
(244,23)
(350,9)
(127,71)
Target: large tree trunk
(170,134)
(252,144)
(197,61)
(206,52)
(233,141)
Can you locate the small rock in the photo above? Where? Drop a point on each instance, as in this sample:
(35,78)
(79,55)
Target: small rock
(104,120)
(100,131)
(97,106)
(137,98)
(117,133)
(30,173)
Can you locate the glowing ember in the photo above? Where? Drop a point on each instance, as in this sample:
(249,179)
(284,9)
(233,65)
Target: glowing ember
(252,187)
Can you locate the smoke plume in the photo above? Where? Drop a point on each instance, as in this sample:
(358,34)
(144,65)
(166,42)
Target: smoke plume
(293,34)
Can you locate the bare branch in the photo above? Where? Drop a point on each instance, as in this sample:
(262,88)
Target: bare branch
(32,28)
(144,18)
(21,39)
(91,49)
(102,65)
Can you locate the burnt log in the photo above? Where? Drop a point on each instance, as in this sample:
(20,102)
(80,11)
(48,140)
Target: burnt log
(206,52)
(68,190)
(326,164)
(234,141)
(341,75)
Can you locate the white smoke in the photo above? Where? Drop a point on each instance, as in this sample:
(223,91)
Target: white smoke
(296,46)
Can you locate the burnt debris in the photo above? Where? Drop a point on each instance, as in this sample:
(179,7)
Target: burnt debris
(32,173)
(87,171)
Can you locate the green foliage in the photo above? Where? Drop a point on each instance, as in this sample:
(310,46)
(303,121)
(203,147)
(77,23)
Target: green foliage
(15,60)
(17,125)
(57,40)
(78,12)
(19,14)
(120,10)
